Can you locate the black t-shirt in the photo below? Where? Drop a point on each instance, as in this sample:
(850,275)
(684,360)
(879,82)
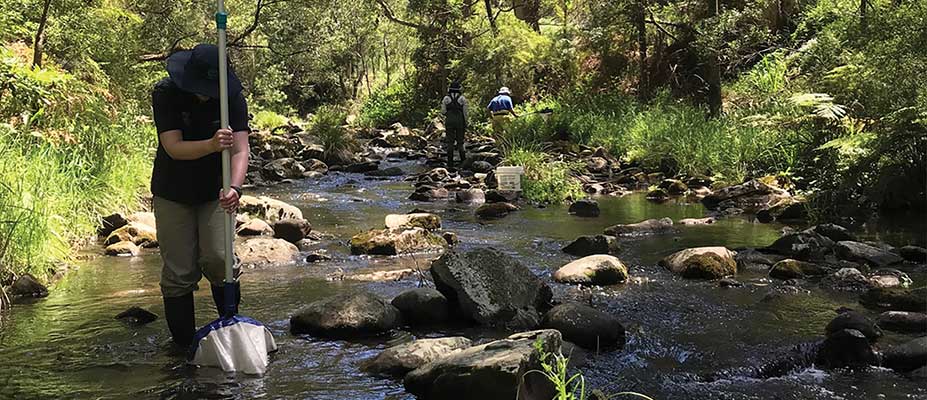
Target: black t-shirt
(190,181)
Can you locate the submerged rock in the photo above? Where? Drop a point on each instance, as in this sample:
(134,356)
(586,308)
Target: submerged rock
(428,194)
(495,210)
(903,321)
(399,360)
(391,242)
(896,299)
(752,259)
(346,315)
(423,306)
(794,269)
(650,226)
(585,208)
(908,356)
(701,263)
(913,254)
(491,288)
(589,245)
(697,221)
(597,269)
(495,370)
(137,316)
(27,286)
(470,196)
(501,196)
(587,327)
(846,348)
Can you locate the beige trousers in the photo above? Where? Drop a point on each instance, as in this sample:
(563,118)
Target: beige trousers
(191,242)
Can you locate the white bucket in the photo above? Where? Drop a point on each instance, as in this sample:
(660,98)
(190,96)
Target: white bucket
(509,178)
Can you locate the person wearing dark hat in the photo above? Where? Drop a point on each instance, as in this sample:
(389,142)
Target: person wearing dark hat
(454,108)
(186,180)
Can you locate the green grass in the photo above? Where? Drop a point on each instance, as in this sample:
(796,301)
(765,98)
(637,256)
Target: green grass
(328,127)
(266,120)
(555,367)
(545,181)
(74,158)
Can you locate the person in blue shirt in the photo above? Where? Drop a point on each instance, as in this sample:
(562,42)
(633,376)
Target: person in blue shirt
(501,109)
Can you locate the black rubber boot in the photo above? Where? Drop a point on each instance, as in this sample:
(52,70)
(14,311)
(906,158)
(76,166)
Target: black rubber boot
(220,298)
(450,158)
(181,320)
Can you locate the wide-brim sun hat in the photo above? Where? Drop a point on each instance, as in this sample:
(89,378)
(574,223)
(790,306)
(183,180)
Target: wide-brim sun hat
(504,90)
(197,71)
(455,87)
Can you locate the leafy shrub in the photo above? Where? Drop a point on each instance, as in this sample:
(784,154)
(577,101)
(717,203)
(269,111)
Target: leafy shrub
(545,181)
(268,120)
(337,142)
(391,104)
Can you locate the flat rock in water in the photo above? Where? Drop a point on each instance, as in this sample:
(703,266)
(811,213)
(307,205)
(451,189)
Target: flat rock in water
(137,316)
(495,210)
(266,251)
(317,256)
(430,194)
(587,327)
(422,220)
(650,226)
(587,208)
(491,288)
(908,356)
(701,263)
(804,246)
(794,269)
(362,167)
(752,259)
(697,221)
(896,299)
(399,360)
(391,242)
(595,244)
(27,286)
(903,321)
(600,269)
(423,306)
(913,254)
(495,370)
(346,315)
(391,171)
(833,232)
(501,196)
(864,253)
(471,196)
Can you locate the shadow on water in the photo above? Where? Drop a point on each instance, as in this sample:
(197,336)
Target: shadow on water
(687,340)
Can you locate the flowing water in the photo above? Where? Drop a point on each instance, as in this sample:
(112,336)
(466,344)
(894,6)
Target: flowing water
(686,339)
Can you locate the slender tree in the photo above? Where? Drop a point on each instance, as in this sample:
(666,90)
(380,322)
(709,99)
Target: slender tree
(643,89)
(713,72)
(39,43)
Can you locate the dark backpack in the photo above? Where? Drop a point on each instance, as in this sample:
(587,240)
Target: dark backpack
(455,113)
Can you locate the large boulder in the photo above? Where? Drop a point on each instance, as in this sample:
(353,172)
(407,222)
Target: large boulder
(423,306)
(399,360)
(600,269)
(794,269)
(346,315)
(585,208)
(702,263)
(846,348)
(496,370)
(587,327)
(266,251)
(850,319)
(292,230)
(896,299)
(648,227)
(903,321)
(495,210)
(391,242)
(255,227)
(135,232)
(908,356)
(268,209)
(805,246)
(596,244)
(491,288)
(426,221)
(282,168)
(110,223)
(864,253)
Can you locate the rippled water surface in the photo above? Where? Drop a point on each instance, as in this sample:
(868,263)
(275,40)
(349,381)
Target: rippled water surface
(687,340)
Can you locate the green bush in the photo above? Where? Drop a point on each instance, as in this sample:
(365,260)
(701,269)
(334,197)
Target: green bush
(268,120)
(337,142)
(548,182)
(391,104)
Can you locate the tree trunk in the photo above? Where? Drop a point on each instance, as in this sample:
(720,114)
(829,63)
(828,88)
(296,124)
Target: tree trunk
(386,59)
(643,90)
(713,75)
(39,42)
(863,6)
(492,21)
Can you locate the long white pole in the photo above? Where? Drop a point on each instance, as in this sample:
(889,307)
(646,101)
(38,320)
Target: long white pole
(221,19)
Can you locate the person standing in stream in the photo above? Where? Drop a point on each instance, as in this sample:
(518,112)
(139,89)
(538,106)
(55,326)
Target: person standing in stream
(187,180)
(501,110)
(454,107)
